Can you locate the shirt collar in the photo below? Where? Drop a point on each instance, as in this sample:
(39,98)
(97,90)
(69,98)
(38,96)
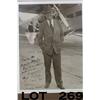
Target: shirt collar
(52,22)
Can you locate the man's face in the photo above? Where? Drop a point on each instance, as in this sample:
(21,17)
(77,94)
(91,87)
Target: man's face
(52,13)
(48,15)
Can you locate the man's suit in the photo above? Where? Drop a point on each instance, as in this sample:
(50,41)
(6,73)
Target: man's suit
(50,42)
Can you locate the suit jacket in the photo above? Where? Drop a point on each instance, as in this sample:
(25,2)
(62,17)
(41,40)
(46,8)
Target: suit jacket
(48,39)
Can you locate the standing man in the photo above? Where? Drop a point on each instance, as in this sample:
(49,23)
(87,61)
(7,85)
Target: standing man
(50,40)
(30,27)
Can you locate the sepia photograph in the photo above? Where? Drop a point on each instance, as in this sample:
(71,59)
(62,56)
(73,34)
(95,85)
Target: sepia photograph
(50,46)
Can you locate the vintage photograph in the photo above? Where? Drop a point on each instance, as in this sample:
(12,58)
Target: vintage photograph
(50,46)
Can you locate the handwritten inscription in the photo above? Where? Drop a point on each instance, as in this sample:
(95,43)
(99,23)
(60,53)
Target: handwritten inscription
(31,72)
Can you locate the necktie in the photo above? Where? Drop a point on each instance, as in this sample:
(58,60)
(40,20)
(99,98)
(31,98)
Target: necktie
(51,25)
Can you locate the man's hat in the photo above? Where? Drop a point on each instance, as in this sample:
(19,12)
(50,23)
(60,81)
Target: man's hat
(47,9)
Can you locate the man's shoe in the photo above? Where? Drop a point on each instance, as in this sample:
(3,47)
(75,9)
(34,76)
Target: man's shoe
(61,87)
(47,85)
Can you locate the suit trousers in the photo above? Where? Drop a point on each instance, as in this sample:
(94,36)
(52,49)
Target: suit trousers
(56,59)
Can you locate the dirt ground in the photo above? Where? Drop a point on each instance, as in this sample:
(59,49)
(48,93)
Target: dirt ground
(31,65)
